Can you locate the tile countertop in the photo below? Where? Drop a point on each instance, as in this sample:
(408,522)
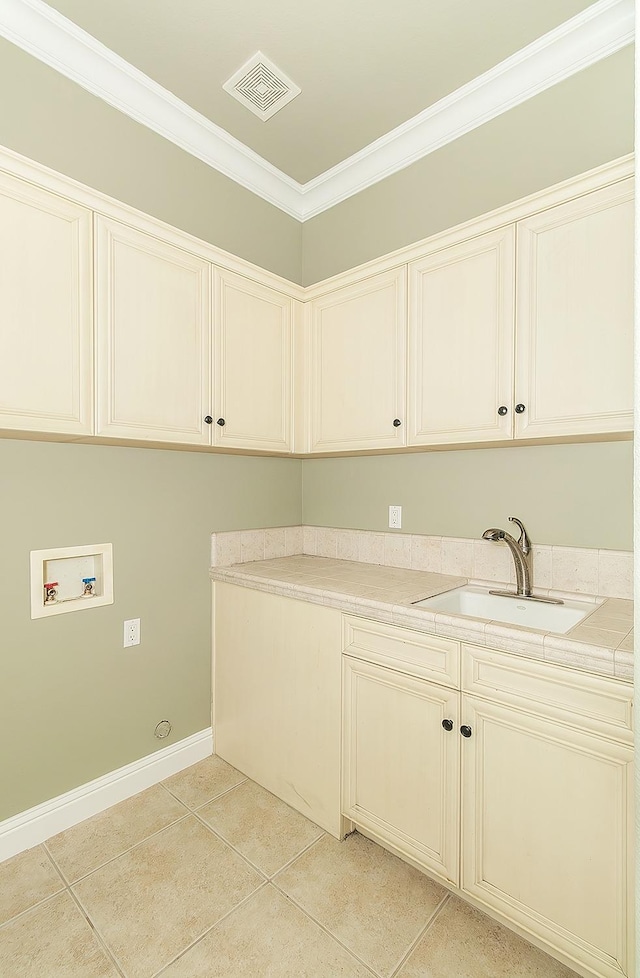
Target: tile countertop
(601,643)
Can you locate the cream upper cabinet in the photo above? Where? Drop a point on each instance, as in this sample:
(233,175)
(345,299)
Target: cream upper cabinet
(461,313)
(575,316)
(252,365)
(153,326)
(45,311)
(547,832)
(357,374)
(401,766)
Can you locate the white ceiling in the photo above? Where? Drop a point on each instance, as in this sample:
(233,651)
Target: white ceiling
(410,75)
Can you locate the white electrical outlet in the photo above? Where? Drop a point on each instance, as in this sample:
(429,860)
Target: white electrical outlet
(395,517)
(131,632)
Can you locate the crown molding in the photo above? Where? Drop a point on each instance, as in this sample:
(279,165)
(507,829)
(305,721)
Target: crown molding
(599,31)
(616,171)
(52,38)
(594,34)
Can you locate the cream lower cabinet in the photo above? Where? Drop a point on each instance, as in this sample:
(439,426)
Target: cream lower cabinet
(547,819)
(252,365)
(357,371)
(153,325)
(46,309)
(547,831)
(543,807)
(401,767)
(276,682)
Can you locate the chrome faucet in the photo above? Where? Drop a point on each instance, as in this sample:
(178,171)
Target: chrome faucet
(521,553)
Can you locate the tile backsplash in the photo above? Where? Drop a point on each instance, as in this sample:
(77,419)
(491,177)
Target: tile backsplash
(608,573)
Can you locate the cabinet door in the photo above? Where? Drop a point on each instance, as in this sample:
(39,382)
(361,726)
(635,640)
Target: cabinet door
(277,676)
(547,832)
(358,366)
(153,319)
(461,322)
(45,311)
(400,766)
(575,316)
(252,357)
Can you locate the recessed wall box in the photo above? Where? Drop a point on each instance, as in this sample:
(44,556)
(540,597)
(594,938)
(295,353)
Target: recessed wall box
(71,579)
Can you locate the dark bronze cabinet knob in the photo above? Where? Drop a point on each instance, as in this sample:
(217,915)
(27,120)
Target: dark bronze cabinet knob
(221,422)
(502,410)
(447,724)
(397,422)
(465,731)
(208,419)
(520,408)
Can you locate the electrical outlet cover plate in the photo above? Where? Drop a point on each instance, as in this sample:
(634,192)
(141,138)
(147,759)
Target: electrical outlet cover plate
(131,632)
(395,517)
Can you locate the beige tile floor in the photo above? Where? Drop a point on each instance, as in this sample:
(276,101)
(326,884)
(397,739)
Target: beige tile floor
(209,876)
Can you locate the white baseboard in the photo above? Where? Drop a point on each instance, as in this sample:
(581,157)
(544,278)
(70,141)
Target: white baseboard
(34,826)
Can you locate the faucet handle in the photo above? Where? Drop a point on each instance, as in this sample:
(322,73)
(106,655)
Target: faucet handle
(523,540)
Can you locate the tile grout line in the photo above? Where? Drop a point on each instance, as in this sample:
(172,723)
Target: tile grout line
(298,855)
(427,927)
(94,930)
(55,865)
(124,852)
(101,940)
(187,814)
(224,842)
(269,877)
(201,937)
(326,930)
(34,906)
(209,800)
(267,881)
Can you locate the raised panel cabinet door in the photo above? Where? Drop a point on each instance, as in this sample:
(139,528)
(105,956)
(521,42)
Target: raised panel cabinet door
(358,365)
(277,697)
(574,336)
(400,765)
(547,832)
(461,327)
(46,357)
(153,324)
(252,358)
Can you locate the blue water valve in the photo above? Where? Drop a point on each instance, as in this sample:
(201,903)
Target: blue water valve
(89,587)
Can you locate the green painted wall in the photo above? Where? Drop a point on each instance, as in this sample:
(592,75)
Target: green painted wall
(568,495)
(581,123)
(55,122)
(74,703)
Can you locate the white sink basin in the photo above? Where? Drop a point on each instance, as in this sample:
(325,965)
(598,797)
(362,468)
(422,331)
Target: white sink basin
(478,603)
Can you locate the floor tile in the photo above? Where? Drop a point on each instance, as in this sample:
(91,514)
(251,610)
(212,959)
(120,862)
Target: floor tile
(171,887)
(270,937)
(53,941)
(372,901)
(260,826)
(201,782)
(25,880)
(468,944)
(93,842)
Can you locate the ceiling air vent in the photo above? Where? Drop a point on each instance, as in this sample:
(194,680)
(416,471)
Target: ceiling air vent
(261,86)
